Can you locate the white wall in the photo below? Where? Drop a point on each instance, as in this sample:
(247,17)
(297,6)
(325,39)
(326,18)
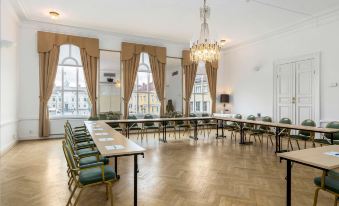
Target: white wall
(252,91)
(8,76)
(29,68)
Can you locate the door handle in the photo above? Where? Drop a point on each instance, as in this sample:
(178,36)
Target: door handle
(293,100)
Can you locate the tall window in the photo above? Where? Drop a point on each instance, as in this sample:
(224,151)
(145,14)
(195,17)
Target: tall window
(69,97)
(200,100)
(144,99)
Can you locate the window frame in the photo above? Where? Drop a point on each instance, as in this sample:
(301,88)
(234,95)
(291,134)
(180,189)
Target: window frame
(205,96)
(76,90)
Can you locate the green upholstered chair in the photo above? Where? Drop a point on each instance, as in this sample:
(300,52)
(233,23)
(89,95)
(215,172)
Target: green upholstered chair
(134,126)
(103,116)
(114,125)
(304,135)
(180,124)
(88,175)
(167,124)
(249,128)
(326,139)
(93,118)
(329,183)
(286,132)
(233,127)
(265,130)
(150,125)
(207,124)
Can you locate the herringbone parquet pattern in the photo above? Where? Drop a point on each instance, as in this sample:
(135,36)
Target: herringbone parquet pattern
(181,172)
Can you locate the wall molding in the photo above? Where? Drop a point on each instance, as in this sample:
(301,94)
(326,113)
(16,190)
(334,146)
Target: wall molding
(9,122)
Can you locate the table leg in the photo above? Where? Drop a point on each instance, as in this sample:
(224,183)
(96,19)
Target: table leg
(116,167)
(166,133)
(127,130)
(277,141)
(222,130)
(195,135)
(242,135)
(288,182)
(136,170)
(332,137)
(217,128)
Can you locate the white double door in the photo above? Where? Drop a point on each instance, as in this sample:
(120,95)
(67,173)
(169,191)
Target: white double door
(297,92)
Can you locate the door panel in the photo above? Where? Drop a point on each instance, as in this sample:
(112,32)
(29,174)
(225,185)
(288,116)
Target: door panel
(285,91)
(304,90)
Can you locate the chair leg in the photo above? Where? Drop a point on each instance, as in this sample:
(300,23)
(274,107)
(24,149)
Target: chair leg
(335,200)
(72,194)
(298,144)
(305,144)
(316,196)
(77,200)
(110,187)
(107,193)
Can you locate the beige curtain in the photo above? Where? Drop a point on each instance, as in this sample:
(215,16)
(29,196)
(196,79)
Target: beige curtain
(48,49)
(130,57)
(130,69)
(48,63)
(190,71)
(90,65)
(211,71)
(158,72)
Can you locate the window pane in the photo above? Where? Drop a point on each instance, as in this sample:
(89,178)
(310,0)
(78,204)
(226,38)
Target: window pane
(70,78)
(84,106)
(70,103)
(200,99)
(82,81)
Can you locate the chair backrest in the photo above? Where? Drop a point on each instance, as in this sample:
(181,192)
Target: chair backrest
(113,124)
(95,118)
(307,122)
(71,163)
(103,116)
(285,120)
(265,119)
(250,117)
(148,124)
(132,124)
(238,116)
(333,125)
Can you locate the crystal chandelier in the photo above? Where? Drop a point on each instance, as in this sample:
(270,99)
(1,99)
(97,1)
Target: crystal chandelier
(204,49)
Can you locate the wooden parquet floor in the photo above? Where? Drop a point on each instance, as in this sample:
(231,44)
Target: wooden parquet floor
(180,173)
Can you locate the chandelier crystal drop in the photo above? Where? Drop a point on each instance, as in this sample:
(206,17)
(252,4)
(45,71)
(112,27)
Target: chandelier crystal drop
(205,49)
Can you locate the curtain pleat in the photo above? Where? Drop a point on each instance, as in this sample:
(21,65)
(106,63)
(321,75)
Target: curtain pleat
(130,69)
(158,73)
(90,65)
(48,63)
(211,72)
(190,72)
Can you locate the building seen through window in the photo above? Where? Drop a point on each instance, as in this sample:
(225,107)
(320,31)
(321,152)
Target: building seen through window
(200,101)
(69,97)
(144,99)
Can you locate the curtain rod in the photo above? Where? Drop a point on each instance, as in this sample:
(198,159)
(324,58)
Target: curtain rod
(117,51)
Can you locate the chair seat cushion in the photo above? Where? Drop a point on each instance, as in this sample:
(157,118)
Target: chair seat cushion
(94,175)
(301,137)
(85,144)
(117,128)
(183,125)
(135,128)
(331,183)
(92,159)
(87,152)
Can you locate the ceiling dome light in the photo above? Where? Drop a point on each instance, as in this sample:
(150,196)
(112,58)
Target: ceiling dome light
(54,14)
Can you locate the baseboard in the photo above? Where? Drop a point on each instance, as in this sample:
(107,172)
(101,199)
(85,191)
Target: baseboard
(56,136)
(8,148)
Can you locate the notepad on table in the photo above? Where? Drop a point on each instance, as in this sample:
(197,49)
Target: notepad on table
(98,129)
(101,133)
(105,139)
(332,153)
(114,147)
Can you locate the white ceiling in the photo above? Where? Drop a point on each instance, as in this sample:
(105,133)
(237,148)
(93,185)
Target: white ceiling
(178,20)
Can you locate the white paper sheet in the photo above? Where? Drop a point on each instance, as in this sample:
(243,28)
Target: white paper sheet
(105,139)
(332,153)
(101,133)
(114,147)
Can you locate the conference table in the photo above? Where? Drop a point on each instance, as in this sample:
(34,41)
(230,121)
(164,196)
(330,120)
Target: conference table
(111,143)
(279,127)
(164,122)
(320,158)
